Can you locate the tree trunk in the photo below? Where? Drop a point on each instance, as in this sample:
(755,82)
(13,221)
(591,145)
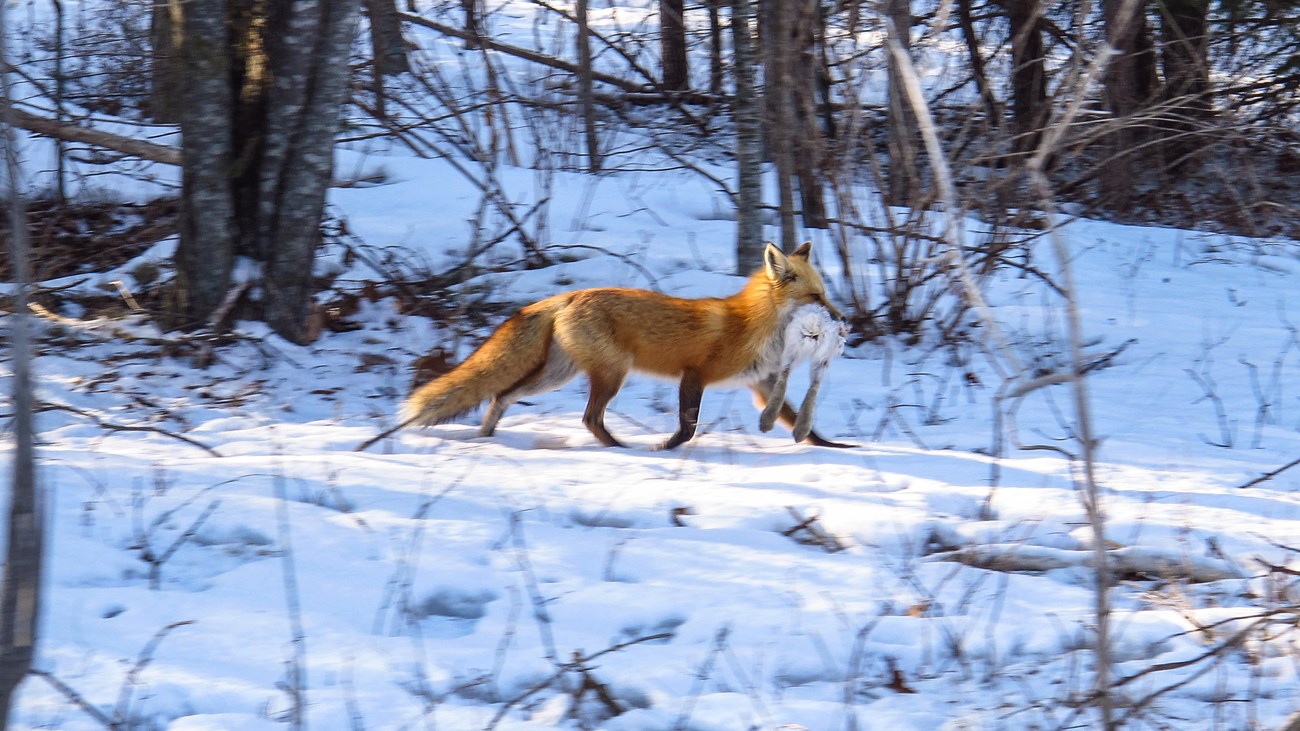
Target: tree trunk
(166,81)
(20,591)
(904,185)
(1028,74)
(386,38)
(748,113)
(309,55)
(672,40)
(585,91)
(807,138)
(388,48)
(715,47)
(1187,90)
(1130,84)
(206,254)
(265,82)
(966,20)
(473,39)
(778,84)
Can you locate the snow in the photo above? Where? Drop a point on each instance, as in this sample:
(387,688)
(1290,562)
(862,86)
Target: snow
(441,575)
(449,581)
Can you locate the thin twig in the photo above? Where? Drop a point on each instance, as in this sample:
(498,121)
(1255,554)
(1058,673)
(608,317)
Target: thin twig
(297,681)
(1270,475)
(578,664)
(47,406)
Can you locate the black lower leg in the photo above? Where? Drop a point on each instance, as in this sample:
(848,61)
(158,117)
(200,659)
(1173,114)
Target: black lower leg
(689,395)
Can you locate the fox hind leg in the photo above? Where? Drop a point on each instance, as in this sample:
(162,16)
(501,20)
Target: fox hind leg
(558,370)
(604,386)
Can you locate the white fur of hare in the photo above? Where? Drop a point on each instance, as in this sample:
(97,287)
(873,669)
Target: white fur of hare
(813,335)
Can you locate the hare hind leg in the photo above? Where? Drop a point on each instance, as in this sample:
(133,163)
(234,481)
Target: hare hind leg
(803,422)
(775,386)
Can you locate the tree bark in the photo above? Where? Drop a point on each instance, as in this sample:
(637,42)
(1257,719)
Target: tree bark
(904,185)
(387,43)
(585,91)
(206,253)
(672,42)
(265,82)
(387,48)
(1187,89)
(472,36)
(809,142)
(1130,86)
(20,591)
(1028,74)
(715,47)
(166,81)
(966,20)
(748,113)
(779,18)
(310,58)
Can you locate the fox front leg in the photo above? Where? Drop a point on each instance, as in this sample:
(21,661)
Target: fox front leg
(689,394)
(775,400)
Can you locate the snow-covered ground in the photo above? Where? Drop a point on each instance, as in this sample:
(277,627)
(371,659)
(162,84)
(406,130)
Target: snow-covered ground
(444,579)
(535,580)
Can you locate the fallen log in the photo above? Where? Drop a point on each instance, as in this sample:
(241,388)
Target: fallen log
(1126,561)
(95,137)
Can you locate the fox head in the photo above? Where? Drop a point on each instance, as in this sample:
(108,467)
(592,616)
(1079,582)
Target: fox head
(794,280)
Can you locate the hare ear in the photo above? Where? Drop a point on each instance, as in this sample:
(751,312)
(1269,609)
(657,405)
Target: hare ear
(803,252)
(775,262)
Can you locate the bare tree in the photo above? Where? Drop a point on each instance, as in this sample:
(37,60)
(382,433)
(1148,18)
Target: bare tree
(903,146)
(1028,74)
(1185,60)
(672,42)
(166,81)
(386,38)
(206,255)
(715,46)
(473,17)
(585,91)
(966,20)
(806,74)
(1130,85)
(264,88)
(20,594)
(388,47)
(748,112)
(779,19)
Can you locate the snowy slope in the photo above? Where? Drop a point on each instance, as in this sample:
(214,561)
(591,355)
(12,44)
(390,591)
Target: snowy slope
(443,579)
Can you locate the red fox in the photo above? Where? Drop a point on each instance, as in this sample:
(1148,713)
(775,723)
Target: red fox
(607,332)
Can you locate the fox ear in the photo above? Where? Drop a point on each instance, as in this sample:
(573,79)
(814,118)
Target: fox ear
(775,262)
(803,252)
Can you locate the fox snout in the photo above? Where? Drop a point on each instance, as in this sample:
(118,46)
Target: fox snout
(835,313)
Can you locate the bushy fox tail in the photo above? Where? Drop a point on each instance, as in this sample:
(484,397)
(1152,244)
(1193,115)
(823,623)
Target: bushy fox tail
(517,350)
